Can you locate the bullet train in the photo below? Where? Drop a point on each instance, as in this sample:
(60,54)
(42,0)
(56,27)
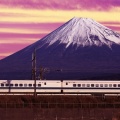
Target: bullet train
(60,86)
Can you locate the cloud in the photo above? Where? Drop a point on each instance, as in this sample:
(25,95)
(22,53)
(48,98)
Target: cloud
(10,48)
(112,25)
(38,27)
(63,4)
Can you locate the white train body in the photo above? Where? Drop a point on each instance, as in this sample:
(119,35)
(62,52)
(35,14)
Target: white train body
(60,86)
(27,86)
(86,86)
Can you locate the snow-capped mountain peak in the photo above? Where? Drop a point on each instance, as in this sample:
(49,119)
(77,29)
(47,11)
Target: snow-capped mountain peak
(83,32)
(63,49)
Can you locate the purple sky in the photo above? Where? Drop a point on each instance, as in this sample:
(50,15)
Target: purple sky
(22,22)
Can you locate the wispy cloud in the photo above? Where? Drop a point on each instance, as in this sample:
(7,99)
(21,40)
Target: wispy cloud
(51,16)
(44,27)
(23,22)
(8,49)
(63,4)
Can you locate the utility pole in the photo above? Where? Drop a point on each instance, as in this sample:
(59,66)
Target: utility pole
(34,70)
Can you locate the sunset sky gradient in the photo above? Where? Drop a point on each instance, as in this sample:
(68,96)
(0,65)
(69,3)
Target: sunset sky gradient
(22,22)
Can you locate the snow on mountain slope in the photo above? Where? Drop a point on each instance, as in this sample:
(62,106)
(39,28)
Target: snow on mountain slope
(80,44)
(83,32)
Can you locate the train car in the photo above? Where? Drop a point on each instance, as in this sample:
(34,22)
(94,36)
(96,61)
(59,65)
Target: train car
(27,86)
(49,86)
(91,86)
(60,86)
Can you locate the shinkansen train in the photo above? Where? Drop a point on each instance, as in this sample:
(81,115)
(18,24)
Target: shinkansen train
(60,86)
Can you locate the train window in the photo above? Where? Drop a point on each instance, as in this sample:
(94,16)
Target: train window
(92,85)
(30,85)
(45,83)
(83,85)
(110,85)
(66,83)
(2,85)
(7,85)
(88,85)
(16,85)
(20,85)
(118,85)
(96,85)
(106,85)
(34,85)
(39,85)
(25,85)
(74,85)
(11,85)
(114,85)
(79,85)
(101,85)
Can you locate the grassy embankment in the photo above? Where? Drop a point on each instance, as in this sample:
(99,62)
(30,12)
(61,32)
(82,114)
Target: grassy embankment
(59,101)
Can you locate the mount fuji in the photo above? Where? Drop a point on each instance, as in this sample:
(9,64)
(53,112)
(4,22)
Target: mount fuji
(81,48)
